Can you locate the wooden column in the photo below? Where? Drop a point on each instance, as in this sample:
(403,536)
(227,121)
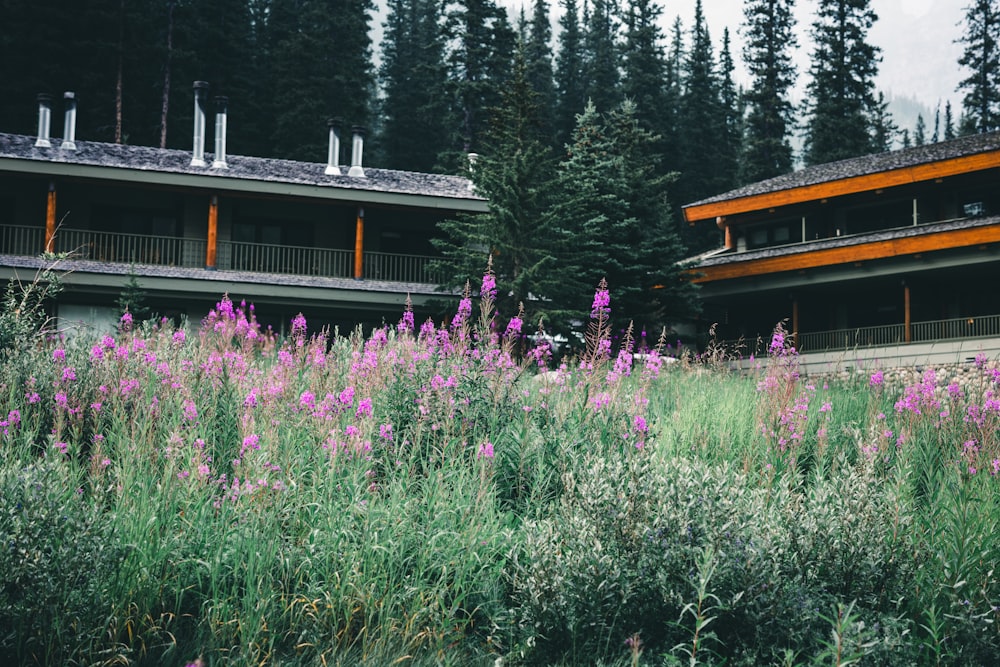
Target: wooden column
(359,245)
(213,232)
(906,314)
(50,219)
(795,321)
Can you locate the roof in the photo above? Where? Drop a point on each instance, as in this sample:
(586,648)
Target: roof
(910,240)
(145,164)
(907,165)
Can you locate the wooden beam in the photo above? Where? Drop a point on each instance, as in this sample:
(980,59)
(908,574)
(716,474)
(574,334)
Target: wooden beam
(906,314)
(844,186)
(213,232)
(958,238)
(50,219)
(359,245)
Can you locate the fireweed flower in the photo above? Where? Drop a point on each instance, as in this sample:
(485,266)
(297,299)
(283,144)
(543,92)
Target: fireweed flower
(347,396)
(69,374)
(126,321)
(602,303)
(59,355)
(489,288)
(514,327)
(364,408)
(485,451)
(876,379)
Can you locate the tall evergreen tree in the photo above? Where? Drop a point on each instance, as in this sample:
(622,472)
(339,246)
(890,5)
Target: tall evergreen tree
(601,55)
(321,59)
(514,172)
(841,92)
(770,38)
(731,142)
(479,63)
(883,126)
(414,83)
(569,79)
(920,131)
(936,136)
(702,118)
(949,122)
(538,54)
(644,65)
(981,105)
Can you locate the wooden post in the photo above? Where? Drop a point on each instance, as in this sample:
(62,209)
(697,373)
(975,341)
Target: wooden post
(213,232)
(359,245)
(906,314)
(795,321)
(50,219)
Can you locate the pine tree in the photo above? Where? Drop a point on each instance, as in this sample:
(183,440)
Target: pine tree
(570,89)
(949,122)
(644,66)
(538,54)
(601,55)
(920,131)
(702,118)
(936,137)
(841,92)
(883,126)
(732,117)
(321,60)
(981,105)
(770,38)
(514,172)
(616,222)
(414,83)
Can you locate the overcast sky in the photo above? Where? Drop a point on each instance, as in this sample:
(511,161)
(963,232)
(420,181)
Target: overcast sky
(917,38)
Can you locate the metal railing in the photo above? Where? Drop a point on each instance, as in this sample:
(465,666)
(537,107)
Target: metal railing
(130,248)
(19,240)
(230,255)
(292,260)
(400,268)
(895,334)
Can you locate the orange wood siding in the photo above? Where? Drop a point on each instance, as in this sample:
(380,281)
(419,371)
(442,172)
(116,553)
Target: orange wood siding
(845,186)
(959,238)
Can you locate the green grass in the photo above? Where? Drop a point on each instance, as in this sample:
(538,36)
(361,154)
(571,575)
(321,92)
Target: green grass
(428,499)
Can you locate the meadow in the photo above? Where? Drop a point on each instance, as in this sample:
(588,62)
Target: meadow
(451,494)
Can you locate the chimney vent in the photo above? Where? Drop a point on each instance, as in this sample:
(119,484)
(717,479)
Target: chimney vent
(198,152)
(69,126)
(44,120)
(221,108)
(333,153)
(357,147)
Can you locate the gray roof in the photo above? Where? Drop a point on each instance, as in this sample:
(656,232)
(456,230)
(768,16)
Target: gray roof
(864,166)
(241,170)
(719,257)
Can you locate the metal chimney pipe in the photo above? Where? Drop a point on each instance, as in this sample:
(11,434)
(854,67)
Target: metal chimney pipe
(357,147)
(333,153)
(198,152)
(69,126)
(44,120)
(221,109)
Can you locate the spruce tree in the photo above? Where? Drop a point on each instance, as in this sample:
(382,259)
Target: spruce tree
(514,172)
(538,56)
(601,55)
(413,73)
(920,131)
(949,122)
(479,65)
(702,118)
(841,96)
(770,37)
(644,65)
(936,137)
(569,79)
(731,142)
(883,126)
(981,105)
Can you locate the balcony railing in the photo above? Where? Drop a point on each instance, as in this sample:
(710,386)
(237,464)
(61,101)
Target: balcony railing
(400,268)
(895,334)
(131,248)
(230,255)
(293,260)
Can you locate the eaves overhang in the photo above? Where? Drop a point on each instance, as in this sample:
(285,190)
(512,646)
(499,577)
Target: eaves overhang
(844,186)
(219,183)
(849,252)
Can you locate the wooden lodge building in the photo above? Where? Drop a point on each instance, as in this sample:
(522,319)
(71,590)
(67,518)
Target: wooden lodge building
(897,252)
(342,243)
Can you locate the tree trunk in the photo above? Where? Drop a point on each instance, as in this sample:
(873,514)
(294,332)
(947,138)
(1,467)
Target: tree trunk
(166,73)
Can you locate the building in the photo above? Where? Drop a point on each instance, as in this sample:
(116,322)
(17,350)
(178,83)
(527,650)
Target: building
(344,244)
(898,250)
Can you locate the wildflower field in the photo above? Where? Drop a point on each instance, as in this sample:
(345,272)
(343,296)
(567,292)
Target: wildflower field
(451,494)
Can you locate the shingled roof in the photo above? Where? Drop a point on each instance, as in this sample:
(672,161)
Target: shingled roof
(242,171)
(866,165)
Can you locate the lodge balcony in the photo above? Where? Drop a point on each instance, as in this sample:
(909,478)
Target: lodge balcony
(169,251)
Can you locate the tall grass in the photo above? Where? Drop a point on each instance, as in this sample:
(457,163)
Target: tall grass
(423,495)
